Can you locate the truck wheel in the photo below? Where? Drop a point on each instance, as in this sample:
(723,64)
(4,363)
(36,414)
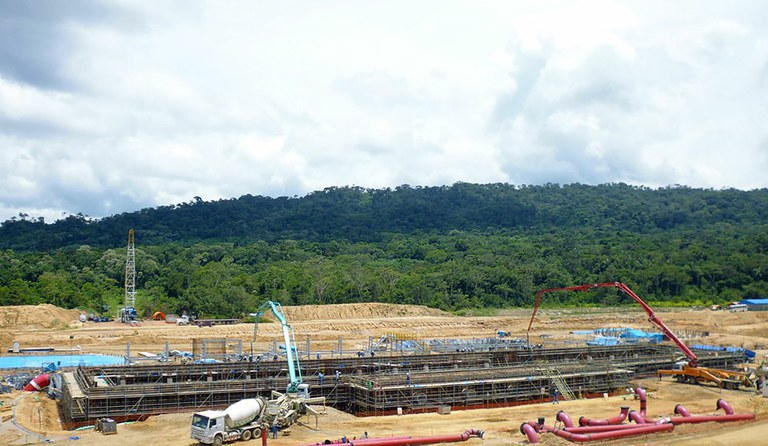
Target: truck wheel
(246,435)
(256,432)
(218,440)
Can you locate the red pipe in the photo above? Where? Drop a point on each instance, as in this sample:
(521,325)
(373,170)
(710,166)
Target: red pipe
(621,433)
(422,440)
(636,417)
(530,431)
(715,418)
(640,392)
(618,419)
(362,441)
(370,440)
(564,418)
(606,428)
(39,383)
(722,404)
(681,410)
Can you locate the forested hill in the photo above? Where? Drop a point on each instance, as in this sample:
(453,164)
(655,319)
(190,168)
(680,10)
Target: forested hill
(457,247)
(353,214)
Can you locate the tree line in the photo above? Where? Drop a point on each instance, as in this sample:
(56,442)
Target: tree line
(455,248)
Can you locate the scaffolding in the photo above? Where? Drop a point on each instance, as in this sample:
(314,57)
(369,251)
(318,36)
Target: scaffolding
(207,349)
(368,385)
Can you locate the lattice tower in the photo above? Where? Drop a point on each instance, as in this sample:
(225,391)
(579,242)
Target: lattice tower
(130,273)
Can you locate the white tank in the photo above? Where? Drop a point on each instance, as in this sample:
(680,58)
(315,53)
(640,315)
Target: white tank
(243,412)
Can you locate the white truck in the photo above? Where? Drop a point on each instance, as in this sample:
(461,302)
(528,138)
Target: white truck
(182,320)
(241,420)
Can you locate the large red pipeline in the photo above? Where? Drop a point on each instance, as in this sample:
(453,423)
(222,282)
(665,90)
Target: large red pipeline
(640,392)
(618,419)
(639,419)
(682,411)
(421,440)
(612,434)
(362,441)
(722,404)
(564,418)
(529,431)
(708,418)
(636,417)
(686,417)
(606,428)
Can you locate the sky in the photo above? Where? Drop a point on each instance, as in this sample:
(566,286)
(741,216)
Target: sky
(114,106)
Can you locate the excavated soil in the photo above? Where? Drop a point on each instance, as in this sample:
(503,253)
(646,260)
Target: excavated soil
(45,325)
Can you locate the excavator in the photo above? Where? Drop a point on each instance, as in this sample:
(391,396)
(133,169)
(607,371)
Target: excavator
(689,371)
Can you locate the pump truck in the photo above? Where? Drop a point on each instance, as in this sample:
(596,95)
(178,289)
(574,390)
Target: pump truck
(688,371)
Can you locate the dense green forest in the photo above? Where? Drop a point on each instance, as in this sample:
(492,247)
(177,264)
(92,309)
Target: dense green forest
(453,247)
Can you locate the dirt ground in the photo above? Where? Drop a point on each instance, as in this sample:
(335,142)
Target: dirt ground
(45,325)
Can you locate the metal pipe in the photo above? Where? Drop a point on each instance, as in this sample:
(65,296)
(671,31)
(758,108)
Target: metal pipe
(606,428)
(681,410)
(362,441)
(370,440)
(420,440)
(618,419)
(529,431)
(636,417)
(716,418)
(564,418)
(722,404)
(640,392)
(612,434)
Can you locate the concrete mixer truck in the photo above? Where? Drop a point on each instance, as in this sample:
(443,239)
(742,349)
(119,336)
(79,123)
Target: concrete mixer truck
(241,420)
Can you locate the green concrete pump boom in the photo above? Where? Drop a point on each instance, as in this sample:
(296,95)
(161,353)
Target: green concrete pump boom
(294,370)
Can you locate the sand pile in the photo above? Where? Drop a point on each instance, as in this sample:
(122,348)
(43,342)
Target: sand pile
(37,316)
(357,311)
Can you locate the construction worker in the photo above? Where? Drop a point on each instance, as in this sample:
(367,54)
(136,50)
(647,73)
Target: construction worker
(274,429)
(338,376)
(321,377)
(408,379)
(556,395)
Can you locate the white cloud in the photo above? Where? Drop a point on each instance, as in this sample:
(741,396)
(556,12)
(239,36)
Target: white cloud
(139,104)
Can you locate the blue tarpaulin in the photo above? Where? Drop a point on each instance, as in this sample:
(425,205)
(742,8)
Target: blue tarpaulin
(603,341)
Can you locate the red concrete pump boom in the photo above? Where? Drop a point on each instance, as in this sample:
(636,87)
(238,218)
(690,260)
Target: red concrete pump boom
(652,318)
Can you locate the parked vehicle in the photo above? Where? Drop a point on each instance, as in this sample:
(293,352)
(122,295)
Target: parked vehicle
(242,420)
(737,308)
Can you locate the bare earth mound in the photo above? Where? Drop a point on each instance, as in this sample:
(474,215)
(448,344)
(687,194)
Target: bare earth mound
(358,311)
(37,316)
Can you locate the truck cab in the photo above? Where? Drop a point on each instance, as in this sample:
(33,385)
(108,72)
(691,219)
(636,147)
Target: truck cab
(302,390)
(206,424)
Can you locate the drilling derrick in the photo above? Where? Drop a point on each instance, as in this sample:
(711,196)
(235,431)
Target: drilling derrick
(128,312)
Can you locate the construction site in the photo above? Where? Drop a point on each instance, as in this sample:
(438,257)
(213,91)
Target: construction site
(370,386)
(402,373)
